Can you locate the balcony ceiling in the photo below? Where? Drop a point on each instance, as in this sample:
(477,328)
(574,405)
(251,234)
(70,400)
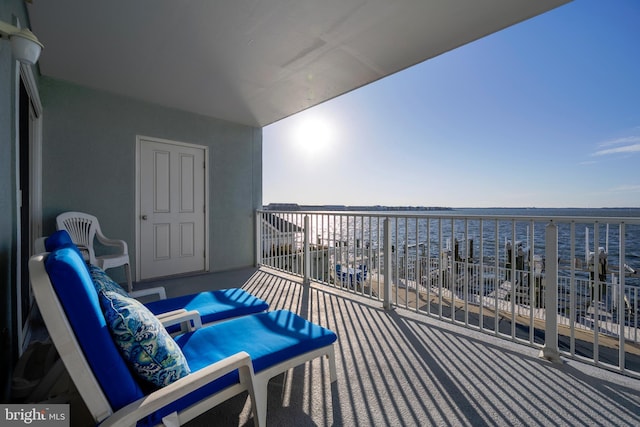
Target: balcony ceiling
(255,61)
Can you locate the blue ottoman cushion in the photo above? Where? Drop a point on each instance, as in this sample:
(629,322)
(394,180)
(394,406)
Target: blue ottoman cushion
(212,306)
(269,338)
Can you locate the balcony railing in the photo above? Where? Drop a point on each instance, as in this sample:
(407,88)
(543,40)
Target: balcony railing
(567,285)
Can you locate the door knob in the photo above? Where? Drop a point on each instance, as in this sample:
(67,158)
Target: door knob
(143,217)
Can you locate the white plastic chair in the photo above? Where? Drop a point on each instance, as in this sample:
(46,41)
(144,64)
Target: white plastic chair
(83,228)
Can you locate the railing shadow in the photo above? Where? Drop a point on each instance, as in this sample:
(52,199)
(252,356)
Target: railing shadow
(398,368)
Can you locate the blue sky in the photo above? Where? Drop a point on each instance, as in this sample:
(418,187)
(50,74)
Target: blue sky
(542,114)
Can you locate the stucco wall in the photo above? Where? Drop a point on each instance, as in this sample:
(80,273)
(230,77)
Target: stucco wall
(89,164)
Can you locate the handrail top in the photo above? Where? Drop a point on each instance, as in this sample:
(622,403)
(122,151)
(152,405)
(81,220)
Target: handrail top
(453,215)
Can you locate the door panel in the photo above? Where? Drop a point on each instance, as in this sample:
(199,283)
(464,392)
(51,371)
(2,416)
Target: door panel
(172,209)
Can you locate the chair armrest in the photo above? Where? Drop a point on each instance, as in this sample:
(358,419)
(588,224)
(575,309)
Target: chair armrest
(170,313)
(188,320)
(112,242)
(147,405)
(160,291)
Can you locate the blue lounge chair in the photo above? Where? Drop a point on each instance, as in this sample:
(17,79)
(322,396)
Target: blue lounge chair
(361,274)
(342,275)
(212,306)
(177,379)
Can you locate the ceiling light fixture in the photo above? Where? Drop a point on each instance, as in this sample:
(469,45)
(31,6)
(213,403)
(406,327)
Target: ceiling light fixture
(24,44)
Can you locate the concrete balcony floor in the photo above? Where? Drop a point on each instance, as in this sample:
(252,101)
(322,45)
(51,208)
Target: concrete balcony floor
(401,368)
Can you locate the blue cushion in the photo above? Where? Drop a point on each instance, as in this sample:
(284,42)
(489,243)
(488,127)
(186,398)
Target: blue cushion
(269,338)
(61,239)
(143,341)
(103,282)
(75,289)
(58,239)
(212,306)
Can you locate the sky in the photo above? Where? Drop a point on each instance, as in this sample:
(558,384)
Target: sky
(545,113)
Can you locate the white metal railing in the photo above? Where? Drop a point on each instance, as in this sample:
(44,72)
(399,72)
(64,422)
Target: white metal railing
(488,273)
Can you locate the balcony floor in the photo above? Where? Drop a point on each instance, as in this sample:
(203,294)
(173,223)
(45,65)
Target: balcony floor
(400,368)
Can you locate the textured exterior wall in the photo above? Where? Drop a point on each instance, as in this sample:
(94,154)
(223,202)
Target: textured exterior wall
(89,164)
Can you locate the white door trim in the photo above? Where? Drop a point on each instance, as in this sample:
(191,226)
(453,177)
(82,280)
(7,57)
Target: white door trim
(24,74)
(139,139)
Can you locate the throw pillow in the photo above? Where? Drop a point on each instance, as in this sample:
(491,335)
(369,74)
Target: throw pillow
(103,282)
(143,341)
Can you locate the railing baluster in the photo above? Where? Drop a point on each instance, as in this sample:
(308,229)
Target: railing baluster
(596,293)
(550,349)
(621,302)
(396,272)
(259,238)
(442,263)
(417,265)
(573,293)
(405,257)
(466,273)
(481,278)
(428,263)
(454,272)
(496,284)
(514,286)
(306,257)
(387,264)
(531,282)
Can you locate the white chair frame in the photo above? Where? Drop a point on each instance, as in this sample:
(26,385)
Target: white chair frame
(68,348)
(83,228)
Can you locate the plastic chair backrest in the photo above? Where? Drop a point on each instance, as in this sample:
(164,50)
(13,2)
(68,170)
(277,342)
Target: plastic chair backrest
(82,229)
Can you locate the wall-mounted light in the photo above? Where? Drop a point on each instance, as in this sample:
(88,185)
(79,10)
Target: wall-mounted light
(24,44)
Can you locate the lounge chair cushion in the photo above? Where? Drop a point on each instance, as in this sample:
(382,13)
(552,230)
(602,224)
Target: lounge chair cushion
(269,338)
(62,239)
(70,279)
(212,306)
(143,341)
(282,335)
(58,239)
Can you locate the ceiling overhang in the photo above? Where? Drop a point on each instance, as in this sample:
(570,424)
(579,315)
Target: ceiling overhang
(255,62)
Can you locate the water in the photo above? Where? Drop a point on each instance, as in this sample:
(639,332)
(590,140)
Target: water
(414,228)
(574,212)
(584,232)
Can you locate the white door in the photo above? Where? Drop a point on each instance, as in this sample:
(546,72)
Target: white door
(172,208)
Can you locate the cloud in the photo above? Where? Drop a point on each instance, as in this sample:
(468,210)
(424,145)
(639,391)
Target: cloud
(632,148)
(621,141)
(630,144)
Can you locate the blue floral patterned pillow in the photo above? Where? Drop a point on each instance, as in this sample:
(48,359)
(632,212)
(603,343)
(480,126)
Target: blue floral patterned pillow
(141,338)
(103,282)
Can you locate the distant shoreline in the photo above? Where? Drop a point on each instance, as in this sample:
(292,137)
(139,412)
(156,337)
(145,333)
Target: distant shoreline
(297,207)
(377,208)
